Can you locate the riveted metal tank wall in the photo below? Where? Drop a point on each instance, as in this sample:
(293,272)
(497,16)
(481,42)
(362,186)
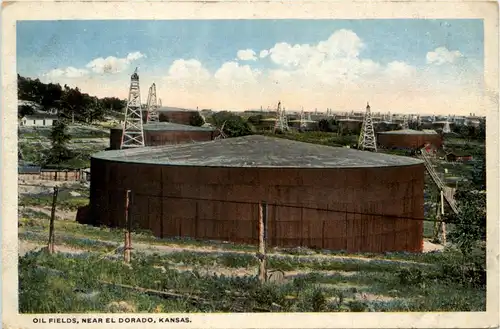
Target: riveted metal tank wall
(375,209)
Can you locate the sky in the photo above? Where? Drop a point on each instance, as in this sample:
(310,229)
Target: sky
(398,65)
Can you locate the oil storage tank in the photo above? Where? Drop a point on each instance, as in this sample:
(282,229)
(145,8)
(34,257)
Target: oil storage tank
(314,196)
(163,133)
(409,139)
(177,115)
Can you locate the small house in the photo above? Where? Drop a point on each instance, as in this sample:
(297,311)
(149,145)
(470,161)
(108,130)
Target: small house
(38,120)
(458,157)
(29,172)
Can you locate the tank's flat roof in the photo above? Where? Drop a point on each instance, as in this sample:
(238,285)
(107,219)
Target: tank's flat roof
(174,109)
(256,151)
(410,132)
(170,126)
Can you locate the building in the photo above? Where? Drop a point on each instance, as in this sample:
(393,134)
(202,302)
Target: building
(38,120)
(163,133)
(458,157)
(28,172)
(350,126)
(408,139)
(317,196)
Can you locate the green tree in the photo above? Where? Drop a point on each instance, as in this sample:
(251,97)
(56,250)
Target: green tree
(59,138)
(234,125)
(470,228)
(255,119)
(24,110)
(51,96)
(196,120)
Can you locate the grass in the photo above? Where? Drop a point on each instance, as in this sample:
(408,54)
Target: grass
(70,283)
(64,201)
(317,137)
(289,257)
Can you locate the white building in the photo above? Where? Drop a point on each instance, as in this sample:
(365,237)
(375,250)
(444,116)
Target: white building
(38,120)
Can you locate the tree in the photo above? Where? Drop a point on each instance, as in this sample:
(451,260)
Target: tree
(59,139)
(51,94)
(255,119)
(234,126)
(196,120)
(470,228)
(324,125)
(24,110)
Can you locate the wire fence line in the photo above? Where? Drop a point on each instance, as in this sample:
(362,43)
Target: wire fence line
(305,207)
(273,204)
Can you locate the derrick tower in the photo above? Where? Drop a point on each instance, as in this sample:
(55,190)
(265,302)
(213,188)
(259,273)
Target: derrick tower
(446,127)
(152,105)
(303,123)
(367,139)
(281,121)
(405,124)
(133,132)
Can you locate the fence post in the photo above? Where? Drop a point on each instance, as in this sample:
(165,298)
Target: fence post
(443,224)
(437,220)
(261,255)
(128,242)
(50,245)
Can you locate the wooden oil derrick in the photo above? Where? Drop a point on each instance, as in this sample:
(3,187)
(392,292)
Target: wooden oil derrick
(133,132)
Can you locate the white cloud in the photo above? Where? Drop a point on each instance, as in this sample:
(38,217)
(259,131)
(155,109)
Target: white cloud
(442,55)
(331,73)
(246,55)
(113,64)
(188,71)
(69,72)
(231,73)
(342,43)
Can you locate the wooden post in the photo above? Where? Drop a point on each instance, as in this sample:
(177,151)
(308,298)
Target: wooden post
(443,224)
(50,245)
(261,255)
(128,242)
(437,220)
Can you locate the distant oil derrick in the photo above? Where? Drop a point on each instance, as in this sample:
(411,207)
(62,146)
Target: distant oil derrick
(152,105)
(281,120)
(133,132)
(303,124)
(405,124)
(367,139)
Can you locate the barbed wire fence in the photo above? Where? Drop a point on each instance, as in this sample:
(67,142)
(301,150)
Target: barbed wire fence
(262,220)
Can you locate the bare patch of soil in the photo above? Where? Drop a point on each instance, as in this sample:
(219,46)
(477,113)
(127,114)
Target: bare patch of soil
(430,247)
(27,246)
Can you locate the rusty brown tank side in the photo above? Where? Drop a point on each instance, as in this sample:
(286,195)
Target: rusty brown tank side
(412,141)
(163,137)
(358,210)
(180,117)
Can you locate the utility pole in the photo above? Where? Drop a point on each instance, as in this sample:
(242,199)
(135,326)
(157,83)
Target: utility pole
(367,140)
(133,132)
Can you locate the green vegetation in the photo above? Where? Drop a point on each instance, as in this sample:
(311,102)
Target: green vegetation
(71,102)
(234,125)
(318,137)
(73,283)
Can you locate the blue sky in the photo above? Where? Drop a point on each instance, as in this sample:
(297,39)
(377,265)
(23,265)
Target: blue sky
(43,46)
